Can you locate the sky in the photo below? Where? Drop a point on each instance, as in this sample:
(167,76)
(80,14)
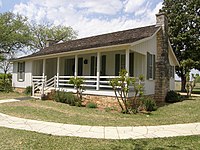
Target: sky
(87,17)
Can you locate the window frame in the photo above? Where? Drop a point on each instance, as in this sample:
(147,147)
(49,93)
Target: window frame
(21,71)
(172,71)
(151,66)
(120,63)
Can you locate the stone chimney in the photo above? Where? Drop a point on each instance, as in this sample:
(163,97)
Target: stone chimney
(50,42)
(162,76)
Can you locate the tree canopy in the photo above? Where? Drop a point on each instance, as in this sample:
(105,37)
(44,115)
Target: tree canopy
(41,33)
(17,34)
(184,32)
(14,32)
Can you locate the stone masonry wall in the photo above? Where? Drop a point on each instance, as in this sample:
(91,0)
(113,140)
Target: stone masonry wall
(19,90)
(162,63)
(102,101)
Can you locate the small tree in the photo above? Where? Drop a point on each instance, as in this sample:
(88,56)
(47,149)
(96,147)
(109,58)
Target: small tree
(77,82)
(138,89)
(190,84)
(121,87)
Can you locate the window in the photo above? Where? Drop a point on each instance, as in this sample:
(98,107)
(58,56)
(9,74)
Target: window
(93,66)
(150,66)
(172,72)
(103,65)
(120,63)
(21,71)
(131,64)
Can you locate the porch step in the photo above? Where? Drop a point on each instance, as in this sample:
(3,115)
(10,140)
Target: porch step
(38,93)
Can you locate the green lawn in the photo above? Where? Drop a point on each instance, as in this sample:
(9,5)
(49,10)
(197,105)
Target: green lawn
(11,95)
(23,140)
(182,112)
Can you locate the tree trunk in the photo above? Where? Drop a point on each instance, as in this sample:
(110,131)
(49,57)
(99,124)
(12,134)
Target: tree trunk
(183,83)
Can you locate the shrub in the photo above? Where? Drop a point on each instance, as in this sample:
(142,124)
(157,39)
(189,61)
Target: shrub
(28,90)
(121,86)
(91,105)
(6,83)
(67,97)
(149,104)
(173,97)
(59,96)
(77,82)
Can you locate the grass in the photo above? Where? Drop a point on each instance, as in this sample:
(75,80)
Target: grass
(4,95)
(181,112)
(19,139)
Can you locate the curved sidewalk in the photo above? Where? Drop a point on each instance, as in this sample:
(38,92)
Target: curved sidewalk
(102,132)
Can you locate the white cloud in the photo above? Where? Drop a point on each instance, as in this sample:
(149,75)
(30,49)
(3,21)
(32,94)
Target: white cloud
(90,17)
(132,6)
(101,6)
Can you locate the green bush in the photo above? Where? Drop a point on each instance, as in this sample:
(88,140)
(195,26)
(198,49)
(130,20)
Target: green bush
(28,90)
(67,97)
(148,104)
(6,83)
(91,105)
(173,97)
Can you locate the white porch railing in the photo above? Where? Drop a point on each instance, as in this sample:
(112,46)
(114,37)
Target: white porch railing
(37,83)
(41,84)
(89,81)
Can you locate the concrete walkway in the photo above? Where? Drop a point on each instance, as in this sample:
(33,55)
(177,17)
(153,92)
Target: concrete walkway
(101,132)
(8,101)
(193,95)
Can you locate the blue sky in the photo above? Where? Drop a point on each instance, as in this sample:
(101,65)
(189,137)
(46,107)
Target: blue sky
(7,5)
(88,17)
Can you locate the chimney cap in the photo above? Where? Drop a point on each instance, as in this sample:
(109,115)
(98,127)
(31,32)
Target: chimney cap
(50,42)
(161,19)
(161,14)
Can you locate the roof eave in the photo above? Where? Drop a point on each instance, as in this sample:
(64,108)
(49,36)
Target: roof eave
(173,54)
(69,52)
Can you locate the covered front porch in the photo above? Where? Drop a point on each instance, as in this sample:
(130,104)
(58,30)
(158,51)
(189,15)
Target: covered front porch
(96,68)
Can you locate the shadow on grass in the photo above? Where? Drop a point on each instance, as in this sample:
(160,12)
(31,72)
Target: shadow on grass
(140,145)
(184,98)
(24,98)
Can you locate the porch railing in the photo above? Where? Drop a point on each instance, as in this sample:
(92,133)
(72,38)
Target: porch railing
(37,83)
(89,81)
(41,83)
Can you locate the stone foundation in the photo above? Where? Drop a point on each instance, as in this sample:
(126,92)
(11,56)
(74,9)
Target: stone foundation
(106,101)
(101,101)
(19,90)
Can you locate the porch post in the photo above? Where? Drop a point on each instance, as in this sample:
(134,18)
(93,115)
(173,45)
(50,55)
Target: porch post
(43,75)
(127,60)
(98,70)
(58,71)
(76,66)
(44,68)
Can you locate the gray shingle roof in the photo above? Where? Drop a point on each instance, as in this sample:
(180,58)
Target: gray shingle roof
(109,39)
